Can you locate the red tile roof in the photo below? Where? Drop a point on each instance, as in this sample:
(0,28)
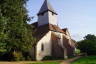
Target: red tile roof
(49,27)
(42,30)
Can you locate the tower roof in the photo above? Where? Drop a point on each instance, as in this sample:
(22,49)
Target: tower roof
(46,7)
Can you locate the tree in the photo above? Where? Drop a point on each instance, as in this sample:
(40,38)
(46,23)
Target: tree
(90,37)
(88,45)
(15,34)
(3,35)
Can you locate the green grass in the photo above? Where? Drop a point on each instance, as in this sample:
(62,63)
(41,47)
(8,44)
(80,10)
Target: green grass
(53,62)
(86,60)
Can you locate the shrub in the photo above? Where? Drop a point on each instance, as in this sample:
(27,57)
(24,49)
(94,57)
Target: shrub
(77,51)
(88,45)
(52,58)
(17,56)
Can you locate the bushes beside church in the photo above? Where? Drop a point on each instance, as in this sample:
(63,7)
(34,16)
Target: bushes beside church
(88,45)
(15,56)
(52,58)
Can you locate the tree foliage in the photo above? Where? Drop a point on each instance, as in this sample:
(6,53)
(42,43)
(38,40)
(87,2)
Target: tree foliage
(88,45)
(15,34)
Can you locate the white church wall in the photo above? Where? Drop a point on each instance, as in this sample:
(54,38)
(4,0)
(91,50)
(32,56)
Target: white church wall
(43,19)
(46,41)
(48,17)
(52,18)
(61,36)
(61,42)
(47,47)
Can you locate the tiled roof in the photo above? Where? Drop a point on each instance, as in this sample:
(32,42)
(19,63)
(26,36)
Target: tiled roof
(65,30)
(55,28)
(43,30)
(48,27)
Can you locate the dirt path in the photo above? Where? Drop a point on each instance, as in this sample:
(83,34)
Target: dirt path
(22,62)
(70,60)
(26,62)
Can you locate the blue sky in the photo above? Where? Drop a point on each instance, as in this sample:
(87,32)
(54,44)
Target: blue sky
(79,16)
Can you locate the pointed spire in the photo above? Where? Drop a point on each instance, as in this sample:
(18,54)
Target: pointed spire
(46,7)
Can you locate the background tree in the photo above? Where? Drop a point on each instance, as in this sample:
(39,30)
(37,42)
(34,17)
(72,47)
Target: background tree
(88,45)
(16,36)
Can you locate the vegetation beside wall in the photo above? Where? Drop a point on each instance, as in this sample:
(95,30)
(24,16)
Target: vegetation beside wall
(52,58)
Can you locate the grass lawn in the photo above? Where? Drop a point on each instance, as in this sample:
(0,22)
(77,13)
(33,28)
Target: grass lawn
(86,60)
(51,62)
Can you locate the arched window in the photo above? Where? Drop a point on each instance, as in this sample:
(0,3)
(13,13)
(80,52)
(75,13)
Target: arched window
(42,47)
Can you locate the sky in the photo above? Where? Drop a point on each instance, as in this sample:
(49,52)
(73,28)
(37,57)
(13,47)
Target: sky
(79,16)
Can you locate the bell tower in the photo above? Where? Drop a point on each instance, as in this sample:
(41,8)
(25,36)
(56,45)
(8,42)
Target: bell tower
(47,15)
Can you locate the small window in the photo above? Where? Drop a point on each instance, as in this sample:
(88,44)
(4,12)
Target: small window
(42,47)
(42,14)
(52,13)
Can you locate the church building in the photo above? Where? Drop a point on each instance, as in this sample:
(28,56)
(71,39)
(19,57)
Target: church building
(51,39)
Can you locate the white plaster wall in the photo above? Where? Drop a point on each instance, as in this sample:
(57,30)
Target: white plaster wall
(46,41)
(47,47)
(43,19)
(47,18)
(60,35)
(52,18)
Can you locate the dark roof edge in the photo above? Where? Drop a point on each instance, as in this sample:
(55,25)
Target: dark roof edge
(46,11)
